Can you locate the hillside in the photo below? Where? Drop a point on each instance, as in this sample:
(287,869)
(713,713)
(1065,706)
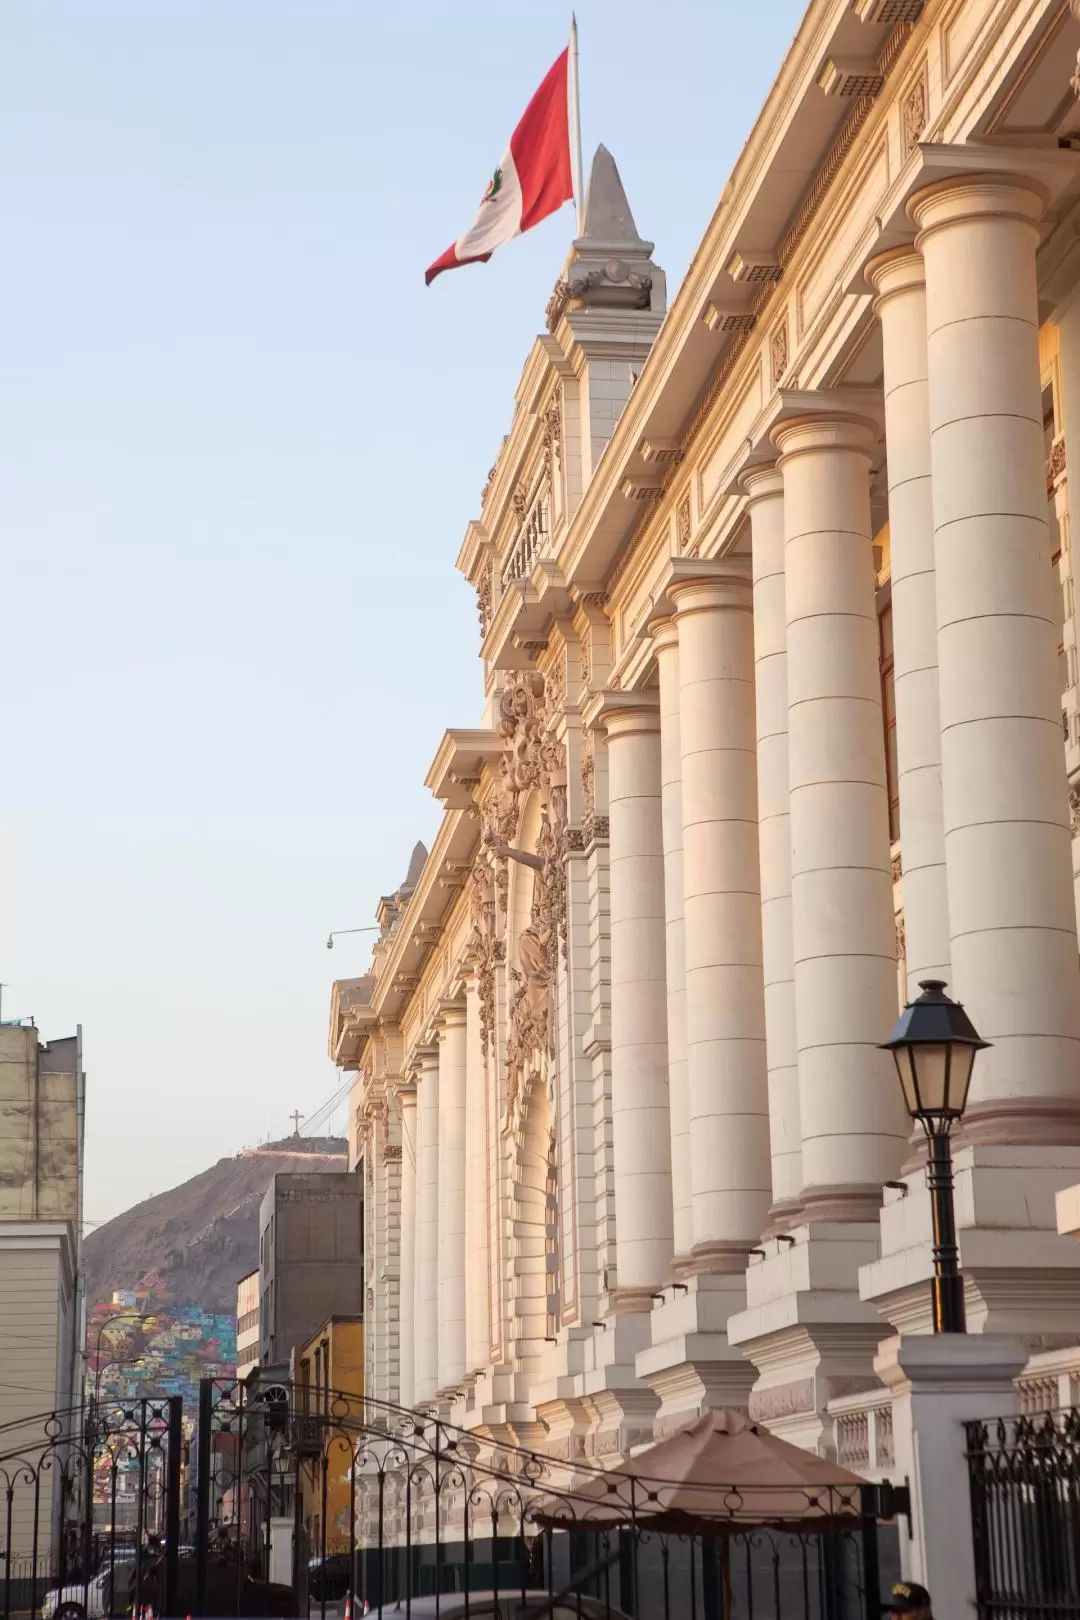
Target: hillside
(194,1242)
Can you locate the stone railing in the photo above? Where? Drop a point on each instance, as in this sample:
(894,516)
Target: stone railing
(863,1433)
(1050,1382)
(530,541)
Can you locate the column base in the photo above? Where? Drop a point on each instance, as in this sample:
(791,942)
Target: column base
(1023,1122)
(784,1216)
(1021,1277)
(937,1381)
(810,1336)
(846,1203)
(690,1366)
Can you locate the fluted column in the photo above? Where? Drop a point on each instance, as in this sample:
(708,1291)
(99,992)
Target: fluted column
(666,642)
(725,1009)
(476,1236)
(451,1245)
(1007,837)
(426,1307)
(765,491)
(900,283)
(407,1261)
(854,1129)
(641,1134)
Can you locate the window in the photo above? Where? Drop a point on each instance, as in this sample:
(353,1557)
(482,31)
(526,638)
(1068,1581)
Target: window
(888,710)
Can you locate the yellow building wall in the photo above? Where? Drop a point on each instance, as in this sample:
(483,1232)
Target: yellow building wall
(344,1342)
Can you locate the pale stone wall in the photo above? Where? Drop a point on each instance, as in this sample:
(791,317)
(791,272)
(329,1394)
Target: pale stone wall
(637,990)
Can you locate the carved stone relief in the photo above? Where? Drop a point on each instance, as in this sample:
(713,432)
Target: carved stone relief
(682,524)
(778,349)
(913,114)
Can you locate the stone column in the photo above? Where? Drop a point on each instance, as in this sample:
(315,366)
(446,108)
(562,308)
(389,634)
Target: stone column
(476,1237)
(426,1298)
(725,1009)
(900,284)
(1007,836)
(666,641)
(407,1275)
(641,1132)
(451,1211)
(765,491)
(854,1127)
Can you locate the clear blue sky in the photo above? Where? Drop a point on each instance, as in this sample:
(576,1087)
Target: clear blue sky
(239,444)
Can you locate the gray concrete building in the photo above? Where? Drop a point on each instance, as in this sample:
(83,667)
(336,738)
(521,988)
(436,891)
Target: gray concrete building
(311,1257)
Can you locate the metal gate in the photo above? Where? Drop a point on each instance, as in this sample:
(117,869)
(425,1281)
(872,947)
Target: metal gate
(1025,1515)
(385,1506)
(91,1510)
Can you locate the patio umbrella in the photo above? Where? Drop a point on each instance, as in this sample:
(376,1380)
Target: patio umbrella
(722,1474)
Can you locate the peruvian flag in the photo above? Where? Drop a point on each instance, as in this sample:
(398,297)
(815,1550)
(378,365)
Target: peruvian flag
(533,179)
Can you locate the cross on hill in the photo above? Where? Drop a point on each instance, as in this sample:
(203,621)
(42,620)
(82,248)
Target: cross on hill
(296,1116)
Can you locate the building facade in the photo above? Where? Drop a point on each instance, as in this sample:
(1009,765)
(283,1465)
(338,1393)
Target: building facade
(327,1370)
(42,1329)
(311,1257)
(248,1332)
(782,717)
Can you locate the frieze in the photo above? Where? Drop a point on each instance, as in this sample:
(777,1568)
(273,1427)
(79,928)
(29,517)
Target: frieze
(765,1405)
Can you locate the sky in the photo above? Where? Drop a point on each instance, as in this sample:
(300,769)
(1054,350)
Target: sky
(239,446)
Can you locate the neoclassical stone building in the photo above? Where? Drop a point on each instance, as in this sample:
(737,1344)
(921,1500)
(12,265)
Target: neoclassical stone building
(782,716)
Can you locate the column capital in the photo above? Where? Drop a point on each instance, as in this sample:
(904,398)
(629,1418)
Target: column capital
(662,629)
(806,434)
(762,482)
(423,1060)
(451,1014)
(728,584)
(898,270)
(977,196)
(623,713)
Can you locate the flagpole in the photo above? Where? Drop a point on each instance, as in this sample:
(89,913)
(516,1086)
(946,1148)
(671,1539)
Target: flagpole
(575,127)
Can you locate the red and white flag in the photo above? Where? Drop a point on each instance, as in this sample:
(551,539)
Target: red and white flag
(533,179)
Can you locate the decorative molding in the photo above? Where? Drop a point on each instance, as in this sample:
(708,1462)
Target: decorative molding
(486,491)
(728,318)
(778,351)
(1055,465)
(756,268)
(392,1152)
(850,77)
(615,276)
(913,112)
(484,602)
(551,420)
(682,523)
(896,868)
(1074,809)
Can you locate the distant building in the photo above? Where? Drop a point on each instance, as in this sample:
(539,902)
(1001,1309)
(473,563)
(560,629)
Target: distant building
(247,1324)
(42,1114)
(311,1257)
(327,1370)
(125,1299)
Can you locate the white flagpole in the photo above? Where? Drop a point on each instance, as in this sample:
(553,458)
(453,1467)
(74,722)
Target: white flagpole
(575,128)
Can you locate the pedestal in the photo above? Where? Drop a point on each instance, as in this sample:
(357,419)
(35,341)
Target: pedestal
(690,1365)
(938,1381)
(805,1329)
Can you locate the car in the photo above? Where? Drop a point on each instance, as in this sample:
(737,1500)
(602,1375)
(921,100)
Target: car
(89,1600)
(489,1606)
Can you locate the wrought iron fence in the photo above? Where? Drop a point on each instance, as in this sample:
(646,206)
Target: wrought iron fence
(442,1520)
(1025,1511)
(66,1480)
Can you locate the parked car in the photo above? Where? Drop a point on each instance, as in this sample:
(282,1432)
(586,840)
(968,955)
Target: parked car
(328,1580)
(91,1601)
(505,1606)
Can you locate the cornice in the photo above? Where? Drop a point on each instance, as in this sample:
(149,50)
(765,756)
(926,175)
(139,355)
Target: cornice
(429,905)
(660,405)
(459,762)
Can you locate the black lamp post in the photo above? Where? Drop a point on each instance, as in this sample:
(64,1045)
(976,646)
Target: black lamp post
(934,1046)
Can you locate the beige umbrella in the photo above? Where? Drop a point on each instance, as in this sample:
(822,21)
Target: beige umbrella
(724,1473)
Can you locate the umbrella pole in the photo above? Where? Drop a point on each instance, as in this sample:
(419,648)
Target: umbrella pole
(725,1578)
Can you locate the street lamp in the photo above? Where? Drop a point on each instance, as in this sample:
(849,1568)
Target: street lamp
(330,938)
(934,1046)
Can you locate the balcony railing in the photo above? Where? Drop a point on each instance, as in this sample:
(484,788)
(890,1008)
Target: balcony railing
(532,536)
(863,1433)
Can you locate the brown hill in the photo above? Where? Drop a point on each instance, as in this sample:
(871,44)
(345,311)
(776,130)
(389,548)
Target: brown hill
(195,1242)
